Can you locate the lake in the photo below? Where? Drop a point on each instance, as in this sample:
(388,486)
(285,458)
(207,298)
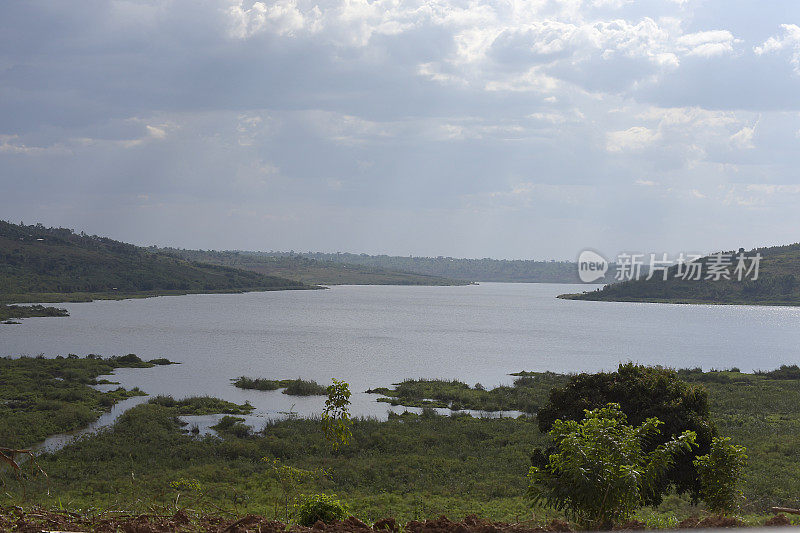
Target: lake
(373,336)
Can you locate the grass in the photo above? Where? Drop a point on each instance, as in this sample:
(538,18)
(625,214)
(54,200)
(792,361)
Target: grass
(292,387)
(201,405)
(410,466)
(41,397)
(529,392)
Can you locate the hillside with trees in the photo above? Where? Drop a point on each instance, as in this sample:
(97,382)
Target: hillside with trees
(497,270)
(776,282)
(40,264)
(315,271)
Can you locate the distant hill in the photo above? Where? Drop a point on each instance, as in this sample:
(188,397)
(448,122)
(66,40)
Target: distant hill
(307,270)
(56,264)
(778,283)
(501,270)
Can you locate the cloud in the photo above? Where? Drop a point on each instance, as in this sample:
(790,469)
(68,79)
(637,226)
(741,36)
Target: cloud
(789,40)
(364,114)
(707,43)
(744,138)
(632,139)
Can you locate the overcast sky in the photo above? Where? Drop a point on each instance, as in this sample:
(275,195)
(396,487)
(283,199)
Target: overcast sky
(494,128)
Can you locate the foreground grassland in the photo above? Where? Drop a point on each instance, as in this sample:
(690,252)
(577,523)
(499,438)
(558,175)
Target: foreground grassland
(409,467)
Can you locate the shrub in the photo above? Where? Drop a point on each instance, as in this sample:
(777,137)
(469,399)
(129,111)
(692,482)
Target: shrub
(300,387)
(314,507)
(719,472)
(642,393)
(600,472)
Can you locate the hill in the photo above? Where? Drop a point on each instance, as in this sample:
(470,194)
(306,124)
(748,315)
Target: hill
(39,264)
(498,270)
(776,283)
(314,271)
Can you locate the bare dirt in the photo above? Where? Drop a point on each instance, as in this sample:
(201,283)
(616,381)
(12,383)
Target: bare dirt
(37,520)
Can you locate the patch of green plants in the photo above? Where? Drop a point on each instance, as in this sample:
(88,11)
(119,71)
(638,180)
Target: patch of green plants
(719,472)
(292,387)
(202,405)
(8,312)
(642,393)
(40,397)
(528,394)
(600,473)
(312,508)
(409,467)
(784,372)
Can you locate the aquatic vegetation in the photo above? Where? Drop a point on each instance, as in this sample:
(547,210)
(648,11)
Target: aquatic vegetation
(528,394)
(292,387)
(40,397)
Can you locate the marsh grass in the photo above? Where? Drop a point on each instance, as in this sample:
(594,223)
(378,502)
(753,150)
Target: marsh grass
(292,387)
(41,397)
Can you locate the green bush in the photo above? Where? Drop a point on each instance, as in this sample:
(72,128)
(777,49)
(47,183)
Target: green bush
(600,472)
(314,507)
(642,393)
(719,472)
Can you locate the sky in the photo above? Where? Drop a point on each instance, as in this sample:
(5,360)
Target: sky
(527,129)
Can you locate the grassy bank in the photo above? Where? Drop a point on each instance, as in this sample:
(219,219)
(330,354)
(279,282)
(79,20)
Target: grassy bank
(41,397)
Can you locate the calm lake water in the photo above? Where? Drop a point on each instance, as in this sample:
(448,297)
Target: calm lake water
(373,336)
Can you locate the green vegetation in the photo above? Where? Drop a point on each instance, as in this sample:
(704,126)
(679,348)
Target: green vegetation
(527,395)
(319,507)
(643,393)
(39,264)
(289,480)
(202,405)
(336,416)
(292,387)
(600,472)
(41,397)
(8,312)
(514,271)
(313,271)
(778,283)
(719,472)
(410,466)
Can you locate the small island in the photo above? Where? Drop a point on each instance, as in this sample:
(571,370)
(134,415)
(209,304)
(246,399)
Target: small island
(292,387)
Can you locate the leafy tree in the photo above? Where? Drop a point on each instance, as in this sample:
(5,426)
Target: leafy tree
(720,471)
(336,417)
(600,471)
(642,392)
